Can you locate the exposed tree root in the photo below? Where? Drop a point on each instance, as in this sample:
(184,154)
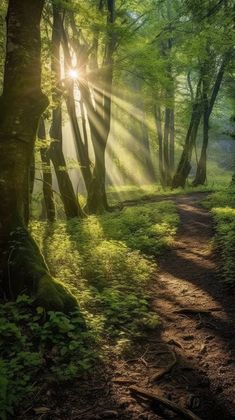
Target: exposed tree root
(26,272)
(184,413)
(191,311)
(165,370)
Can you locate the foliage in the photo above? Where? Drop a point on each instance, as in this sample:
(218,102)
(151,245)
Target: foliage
(35,344)
(102,259)
(222,205)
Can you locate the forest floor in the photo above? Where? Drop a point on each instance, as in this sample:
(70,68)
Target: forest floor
(189,360)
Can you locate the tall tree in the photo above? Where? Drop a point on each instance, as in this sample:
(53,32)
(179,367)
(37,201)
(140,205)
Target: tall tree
(68,197)
(208,104)
(46,174)
(22,267)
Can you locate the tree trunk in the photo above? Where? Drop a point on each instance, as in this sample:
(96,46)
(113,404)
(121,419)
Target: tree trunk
(81,147)
(97,198)
(158,122)
(172,143)
(68,197)
(82,156)
(147,159)
(22,267)
(184,166)
(166,156)
(200,177)
(46,175)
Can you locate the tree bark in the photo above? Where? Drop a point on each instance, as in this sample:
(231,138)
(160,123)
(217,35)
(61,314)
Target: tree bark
(100,120)
(200,177)
(184,166)
(166,155)
(22,267)
(158,122)
(172,143)
(46,175)
(147,159)
(82,156)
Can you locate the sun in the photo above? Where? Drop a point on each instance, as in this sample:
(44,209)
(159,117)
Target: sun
(73,74)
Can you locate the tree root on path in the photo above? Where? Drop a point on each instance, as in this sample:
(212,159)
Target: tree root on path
(165,370)
(196,311)
(186,414)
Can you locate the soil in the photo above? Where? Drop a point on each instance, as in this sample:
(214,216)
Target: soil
(190,359)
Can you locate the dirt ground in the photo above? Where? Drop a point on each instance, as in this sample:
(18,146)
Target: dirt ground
(189,360)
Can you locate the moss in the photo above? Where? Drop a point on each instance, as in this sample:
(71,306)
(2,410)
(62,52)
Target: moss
(27,272)
(52,295)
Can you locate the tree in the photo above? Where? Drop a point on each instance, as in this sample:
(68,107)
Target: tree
(22,266)
(208,104)
(47,175)
(70,202)
(212,42)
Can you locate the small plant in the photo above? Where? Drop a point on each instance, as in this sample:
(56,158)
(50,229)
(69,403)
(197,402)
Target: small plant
(36,344)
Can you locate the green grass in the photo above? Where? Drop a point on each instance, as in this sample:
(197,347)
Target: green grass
(222,206)
(218,179)
(107,262)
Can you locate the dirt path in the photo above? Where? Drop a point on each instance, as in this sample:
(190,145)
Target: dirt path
(196,336)
(204,342)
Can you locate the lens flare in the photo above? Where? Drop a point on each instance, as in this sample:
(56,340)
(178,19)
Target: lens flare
(73,74)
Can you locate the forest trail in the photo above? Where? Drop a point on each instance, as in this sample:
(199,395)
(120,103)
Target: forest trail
(190,359)
(198,317)
(197,334)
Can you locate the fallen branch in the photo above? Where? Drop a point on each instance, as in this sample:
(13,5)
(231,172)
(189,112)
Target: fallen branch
(185,414)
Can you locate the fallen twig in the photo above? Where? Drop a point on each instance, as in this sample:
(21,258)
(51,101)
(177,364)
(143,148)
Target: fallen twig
(186,414)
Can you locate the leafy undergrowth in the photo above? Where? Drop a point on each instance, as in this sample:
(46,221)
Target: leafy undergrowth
(107,262)
(222,205)
(36,346)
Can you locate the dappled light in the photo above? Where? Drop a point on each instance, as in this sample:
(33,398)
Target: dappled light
(117,209)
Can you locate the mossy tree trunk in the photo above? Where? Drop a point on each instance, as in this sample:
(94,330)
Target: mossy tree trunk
(22,267)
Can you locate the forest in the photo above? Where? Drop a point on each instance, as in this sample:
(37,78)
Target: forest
(117,209)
